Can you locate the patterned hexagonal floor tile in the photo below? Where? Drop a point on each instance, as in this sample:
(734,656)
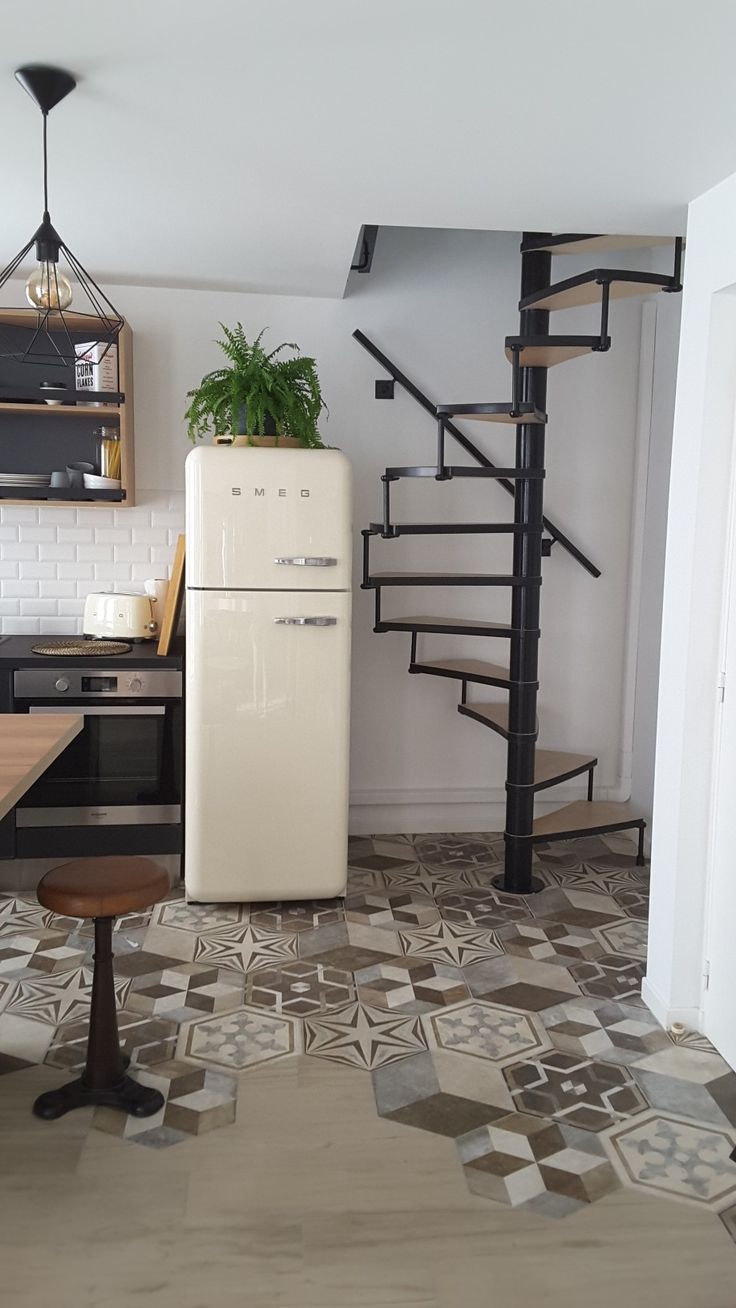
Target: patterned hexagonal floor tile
(486,1031)
(445,1093)
(574,907)
(240,1039)
(182,916)
(610,977)
(633,901)
(17,913)
(628,937)
(380,855)
(520,982)
(549,942)
(347,946)
(693,1084)
(245,947)
(186,990)
(458,851)
(37,950)
(447,942)
(302,988)
(611,1031)
(363,1037)
(147,1040)
(487,908)
(306,915)
(61,998)
(525,1160)
(412,985)
(395,909)
(583,1092)
(196,1100)
(668,1155)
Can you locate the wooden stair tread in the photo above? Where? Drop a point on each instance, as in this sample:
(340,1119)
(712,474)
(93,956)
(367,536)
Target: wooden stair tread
(447,578)
(461,668)
(463,624)
(547,351)
(586,289)
(582,816)
(584,243)
(551,763)
(447,528)
(492,413)
(495,716)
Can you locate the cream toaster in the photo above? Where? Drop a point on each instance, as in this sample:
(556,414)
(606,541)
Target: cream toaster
(121,616)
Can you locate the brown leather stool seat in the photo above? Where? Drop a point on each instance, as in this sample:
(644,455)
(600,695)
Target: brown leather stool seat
(102,888)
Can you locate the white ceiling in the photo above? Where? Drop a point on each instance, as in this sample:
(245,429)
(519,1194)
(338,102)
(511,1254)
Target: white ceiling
(240,144)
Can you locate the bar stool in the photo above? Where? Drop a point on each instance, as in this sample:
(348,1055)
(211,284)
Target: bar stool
(102,889)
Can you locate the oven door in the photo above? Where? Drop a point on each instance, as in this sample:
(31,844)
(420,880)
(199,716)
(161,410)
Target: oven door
(123,769)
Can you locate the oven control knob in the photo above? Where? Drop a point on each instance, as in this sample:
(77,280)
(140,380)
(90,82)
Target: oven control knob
(62,684)
(135,684)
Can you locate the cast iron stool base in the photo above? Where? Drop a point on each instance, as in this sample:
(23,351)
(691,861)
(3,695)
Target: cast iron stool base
(104,1079)
(127,1095)
(499,883)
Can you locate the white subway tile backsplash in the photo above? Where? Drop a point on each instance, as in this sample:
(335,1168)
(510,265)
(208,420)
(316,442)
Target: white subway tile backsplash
(94,553)
(111,572)
(79,535)
(57,589)
(38,535)
(37,570)
(57,553)
(132,554)
(13,550)
(20,590)
(22,626)
(75,572)
(149,536)
(52,557)
(18,514)
(38,608)
(112,536)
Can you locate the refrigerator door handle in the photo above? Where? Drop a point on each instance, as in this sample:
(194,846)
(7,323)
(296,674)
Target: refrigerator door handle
(308,562)
(307,622)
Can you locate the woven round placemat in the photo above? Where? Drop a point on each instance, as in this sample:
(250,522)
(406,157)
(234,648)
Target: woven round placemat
(82,647)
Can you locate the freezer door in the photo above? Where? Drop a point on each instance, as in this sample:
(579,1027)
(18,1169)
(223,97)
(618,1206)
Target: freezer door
(267,739)
(268,519)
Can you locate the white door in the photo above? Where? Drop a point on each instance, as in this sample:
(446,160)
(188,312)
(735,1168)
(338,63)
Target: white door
(719,1003)
(267,745)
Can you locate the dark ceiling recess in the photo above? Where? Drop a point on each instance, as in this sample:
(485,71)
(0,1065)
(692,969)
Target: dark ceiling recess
(366,249)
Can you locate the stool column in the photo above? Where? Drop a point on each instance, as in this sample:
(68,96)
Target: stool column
(105,1067)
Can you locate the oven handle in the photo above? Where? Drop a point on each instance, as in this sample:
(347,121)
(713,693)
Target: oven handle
(95,710)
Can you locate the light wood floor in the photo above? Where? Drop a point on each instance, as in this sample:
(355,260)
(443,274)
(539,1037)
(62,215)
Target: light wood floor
(312,1201)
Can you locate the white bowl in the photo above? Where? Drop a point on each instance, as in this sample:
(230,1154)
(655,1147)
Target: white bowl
(93,482)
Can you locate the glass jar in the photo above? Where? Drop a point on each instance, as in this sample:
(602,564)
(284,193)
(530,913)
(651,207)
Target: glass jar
(108,451)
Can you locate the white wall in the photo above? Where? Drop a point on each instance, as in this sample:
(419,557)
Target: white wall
(692,609)
(439,303)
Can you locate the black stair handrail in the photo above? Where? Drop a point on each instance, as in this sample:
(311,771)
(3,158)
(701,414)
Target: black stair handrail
(468,445)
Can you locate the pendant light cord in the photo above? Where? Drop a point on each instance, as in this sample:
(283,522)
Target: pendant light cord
(45,170)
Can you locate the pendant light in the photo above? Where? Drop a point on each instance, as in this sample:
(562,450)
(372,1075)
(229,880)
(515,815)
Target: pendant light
(61,304)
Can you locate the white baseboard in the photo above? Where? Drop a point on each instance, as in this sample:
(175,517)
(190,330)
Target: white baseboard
(400,812)
(691,1018)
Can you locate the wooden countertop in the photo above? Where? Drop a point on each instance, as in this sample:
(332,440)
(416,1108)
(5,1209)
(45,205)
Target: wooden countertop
(28,744)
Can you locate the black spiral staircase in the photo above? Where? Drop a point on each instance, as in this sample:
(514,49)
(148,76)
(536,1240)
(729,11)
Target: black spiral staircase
(531,353)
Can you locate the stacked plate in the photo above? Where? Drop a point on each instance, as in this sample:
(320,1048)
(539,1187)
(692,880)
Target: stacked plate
(25,478)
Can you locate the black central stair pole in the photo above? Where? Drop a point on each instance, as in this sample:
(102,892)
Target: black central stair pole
(528,506)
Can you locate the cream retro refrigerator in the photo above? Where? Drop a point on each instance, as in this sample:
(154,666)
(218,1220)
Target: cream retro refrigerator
(268,576)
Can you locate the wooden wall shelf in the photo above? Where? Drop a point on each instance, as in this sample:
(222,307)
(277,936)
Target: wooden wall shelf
(33,437)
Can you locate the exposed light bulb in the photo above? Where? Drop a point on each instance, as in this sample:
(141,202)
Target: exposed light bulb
(47,288)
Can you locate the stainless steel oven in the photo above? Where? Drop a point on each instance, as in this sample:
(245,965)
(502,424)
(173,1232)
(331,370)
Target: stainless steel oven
(122,774)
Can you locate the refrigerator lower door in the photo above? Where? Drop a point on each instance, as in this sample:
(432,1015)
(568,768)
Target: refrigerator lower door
(267,742)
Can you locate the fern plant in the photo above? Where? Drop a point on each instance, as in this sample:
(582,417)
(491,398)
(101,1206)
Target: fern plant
(258,394)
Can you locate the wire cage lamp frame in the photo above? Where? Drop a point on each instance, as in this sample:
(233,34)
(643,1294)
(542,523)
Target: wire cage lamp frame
(49,329)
